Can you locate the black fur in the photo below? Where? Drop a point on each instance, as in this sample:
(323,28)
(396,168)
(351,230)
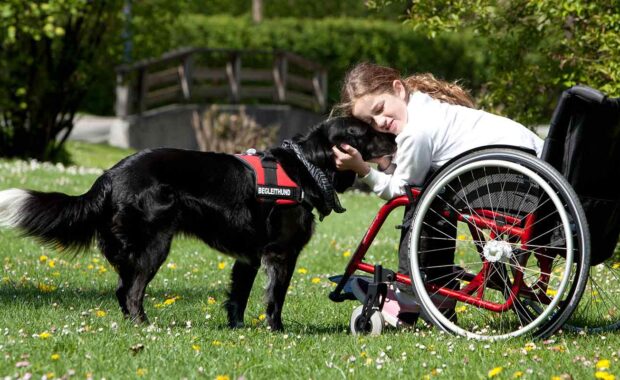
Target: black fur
(135,209)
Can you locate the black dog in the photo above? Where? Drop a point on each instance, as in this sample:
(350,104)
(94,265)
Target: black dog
(135,208)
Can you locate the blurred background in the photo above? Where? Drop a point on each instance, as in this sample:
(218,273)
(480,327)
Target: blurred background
(227,75)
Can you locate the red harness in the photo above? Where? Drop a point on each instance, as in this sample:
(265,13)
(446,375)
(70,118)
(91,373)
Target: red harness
(272,182)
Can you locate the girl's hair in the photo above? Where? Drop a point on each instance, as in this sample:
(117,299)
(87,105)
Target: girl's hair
(368,78)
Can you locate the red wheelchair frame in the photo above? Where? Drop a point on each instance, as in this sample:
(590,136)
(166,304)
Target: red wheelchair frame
(484,218)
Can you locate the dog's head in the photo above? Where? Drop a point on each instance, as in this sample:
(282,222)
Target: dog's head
(317,146)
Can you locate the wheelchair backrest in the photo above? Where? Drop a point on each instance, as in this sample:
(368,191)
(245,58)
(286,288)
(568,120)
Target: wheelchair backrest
(584,145)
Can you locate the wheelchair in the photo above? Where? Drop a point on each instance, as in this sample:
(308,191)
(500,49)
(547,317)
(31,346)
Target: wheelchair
(516,245)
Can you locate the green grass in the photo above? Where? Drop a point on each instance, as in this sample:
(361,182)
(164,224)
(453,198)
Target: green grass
(58,313)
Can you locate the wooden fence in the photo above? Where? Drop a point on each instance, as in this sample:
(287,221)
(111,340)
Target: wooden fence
(201,75)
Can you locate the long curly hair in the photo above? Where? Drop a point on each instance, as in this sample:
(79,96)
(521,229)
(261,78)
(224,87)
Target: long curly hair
(368,78)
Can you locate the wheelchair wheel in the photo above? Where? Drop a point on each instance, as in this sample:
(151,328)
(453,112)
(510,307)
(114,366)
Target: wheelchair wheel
(599,308)
(374,326)
(499,247)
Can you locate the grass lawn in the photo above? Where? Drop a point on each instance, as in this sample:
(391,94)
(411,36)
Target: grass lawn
(59,316)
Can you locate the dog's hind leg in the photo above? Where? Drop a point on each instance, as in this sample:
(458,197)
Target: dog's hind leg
(145,266)
(279,264)
(242,279)
(136,267)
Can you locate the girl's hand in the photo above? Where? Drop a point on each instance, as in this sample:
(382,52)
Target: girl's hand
(348,158)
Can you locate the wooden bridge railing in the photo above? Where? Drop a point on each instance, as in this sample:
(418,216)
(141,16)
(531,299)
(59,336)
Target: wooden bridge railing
(199,75)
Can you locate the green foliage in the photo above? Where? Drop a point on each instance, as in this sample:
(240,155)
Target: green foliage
(536,48)
(50,50)
(337,43)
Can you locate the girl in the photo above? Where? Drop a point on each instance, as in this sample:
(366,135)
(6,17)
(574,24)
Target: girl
(434,121)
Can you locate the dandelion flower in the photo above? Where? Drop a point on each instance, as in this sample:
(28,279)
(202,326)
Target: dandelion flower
(517,374)
(42,258)
(604,375)
(603,364)
(171,266)
(346,253)
(211,301)
(302,271)
(141,371)
(45,335)
(221,265)
(100,313)
(222,377)
(195,347)
(170,301)
(495,371)
(55,356)
(315,280)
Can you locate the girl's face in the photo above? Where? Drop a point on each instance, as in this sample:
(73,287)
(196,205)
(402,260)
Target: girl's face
(386,112)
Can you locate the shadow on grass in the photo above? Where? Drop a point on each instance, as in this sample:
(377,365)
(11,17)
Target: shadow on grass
(79,296)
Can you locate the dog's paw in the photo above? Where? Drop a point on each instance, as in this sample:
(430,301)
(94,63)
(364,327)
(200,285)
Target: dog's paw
(236,324)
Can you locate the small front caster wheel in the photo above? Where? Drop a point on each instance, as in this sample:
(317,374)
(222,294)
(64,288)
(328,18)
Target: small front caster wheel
(373,327)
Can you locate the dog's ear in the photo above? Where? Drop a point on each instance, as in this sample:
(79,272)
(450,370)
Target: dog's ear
(343,180)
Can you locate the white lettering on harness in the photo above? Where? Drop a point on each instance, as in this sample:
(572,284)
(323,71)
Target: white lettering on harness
(274,191)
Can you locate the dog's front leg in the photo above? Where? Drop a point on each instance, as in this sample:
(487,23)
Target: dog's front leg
(242,279)
(279,265)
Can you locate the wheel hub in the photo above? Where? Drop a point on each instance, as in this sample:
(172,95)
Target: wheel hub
(497,250)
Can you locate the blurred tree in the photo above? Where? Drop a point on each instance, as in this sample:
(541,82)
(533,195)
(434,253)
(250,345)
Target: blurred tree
(49,52)
(537,48)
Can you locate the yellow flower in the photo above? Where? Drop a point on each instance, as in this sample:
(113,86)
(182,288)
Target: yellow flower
(55,356)
(141,371)
(46,288)
(517,374)
(102,269)
(261,317)
(171,266)
(170,301)
(195,347)
(315,280)
(51,263)
(45,335)
(495,371)
(346,253)
(216,343)
(42,258)
(603,364)
(302,271)
(96,260)
(529,346)
(461,237)
(616,265)
(222,377)
(211,301)
(221,265)
(100,313)
(604,375)
(90,266)
(552,292)
(460,309)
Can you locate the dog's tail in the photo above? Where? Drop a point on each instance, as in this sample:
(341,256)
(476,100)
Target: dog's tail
(57,219)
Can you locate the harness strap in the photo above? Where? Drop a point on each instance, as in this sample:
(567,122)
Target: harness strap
(273,185)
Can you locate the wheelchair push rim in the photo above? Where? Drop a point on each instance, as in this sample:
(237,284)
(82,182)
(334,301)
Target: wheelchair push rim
(503,271)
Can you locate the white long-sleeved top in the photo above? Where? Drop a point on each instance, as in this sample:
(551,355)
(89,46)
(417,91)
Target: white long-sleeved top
(437,132)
